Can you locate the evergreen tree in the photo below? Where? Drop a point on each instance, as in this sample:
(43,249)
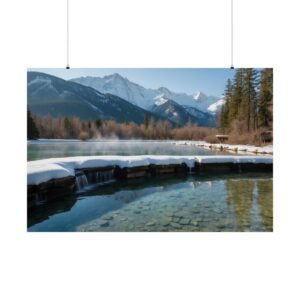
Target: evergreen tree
(32,131)
(248,105)
(146,120)
(67,127)
(237,93)
(265,102)
(224,115)
(98,123)
(248,102)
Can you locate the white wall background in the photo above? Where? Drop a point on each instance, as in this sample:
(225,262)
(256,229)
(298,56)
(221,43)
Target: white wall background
(144,33)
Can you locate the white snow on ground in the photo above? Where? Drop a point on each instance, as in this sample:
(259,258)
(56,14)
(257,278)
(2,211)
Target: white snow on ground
(234,159)
(46,169)
(236,148)
(38,173)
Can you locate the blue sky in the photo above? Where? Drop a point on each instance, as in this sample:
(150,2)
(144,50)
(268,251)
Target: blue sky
(209,81)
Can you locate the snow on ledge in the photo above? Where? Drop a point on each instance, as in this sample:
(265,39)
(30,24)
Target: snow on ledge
(53,168)
(236,148)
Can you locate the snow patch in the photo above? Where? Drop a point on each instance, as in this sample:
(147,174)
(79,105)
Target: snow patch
(144,97)
(46,169)
(161,100)
(215,107)
(236,148)
(198,95)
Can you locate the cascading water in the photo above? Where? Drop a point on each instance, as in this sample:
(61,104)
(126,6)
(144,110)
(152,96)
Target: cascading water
(100,176)
(83,180)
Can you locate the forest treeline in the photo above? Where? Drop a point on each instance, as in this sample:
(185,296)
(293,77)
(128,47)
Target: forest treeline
(248,108)
(75,128)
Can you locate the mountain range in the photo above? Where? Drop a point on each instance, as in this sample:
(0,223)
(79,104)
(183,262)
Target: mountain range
(114,97)
(47,94)
(144,97)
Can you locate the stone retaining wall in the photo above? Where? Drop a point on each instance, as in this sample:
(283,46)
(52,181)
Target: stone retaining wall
(57,188)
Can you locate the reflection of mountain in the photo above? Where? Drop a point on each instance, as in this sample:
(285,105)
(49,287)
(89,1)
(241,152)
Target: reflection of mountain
(265,202)
(240,197)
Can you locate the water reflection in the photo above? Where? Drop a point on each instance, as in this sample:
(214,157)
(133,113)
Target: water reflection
(265,203)
(252,203)
(240,198)
(195,203)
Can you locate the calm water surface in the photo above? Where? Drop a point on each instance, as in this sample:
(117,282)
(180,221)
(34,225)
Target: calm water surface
(192,203)
(47,149)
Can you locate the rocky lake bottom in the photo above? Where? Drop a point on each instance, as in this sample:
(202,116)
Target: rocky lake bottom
(194,203)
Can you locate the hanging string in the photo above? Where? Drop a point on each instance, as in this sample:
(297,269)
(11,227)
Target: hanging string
(231,15)
(68,34)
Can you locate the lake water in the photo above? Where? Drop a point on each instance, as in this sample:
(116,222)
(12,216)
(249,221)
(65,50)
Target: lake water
(47,149)
(233,202)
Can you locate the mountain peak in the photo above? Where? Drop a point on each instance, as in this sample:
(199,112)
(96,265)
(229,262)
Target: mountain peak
(199,96)
(143,97)
(114,76)
(163,90)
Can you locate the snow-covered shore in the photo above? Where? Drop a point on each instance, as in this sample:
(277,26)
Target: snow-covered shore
(227,147)
(54,168)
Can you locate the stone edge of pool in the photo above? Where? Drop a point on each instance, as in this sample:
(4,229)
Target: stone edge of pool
(49,179)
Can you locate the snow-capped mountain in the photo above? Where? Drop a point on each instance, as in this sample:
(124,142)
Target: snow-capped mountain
(47,94)
(144,97)
(181,115)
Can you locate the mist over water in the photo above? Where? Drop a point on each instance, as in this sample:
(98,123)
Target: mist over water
(55,148)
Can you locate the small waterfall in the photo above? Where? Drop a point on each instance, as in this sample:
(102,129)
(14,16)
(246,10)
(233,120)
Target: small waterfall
(85,179)
(81,181)
(100,176)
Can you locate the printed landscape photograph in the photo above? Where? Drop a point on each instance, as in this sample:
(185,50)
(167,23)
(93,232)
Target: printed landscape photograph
(150,150)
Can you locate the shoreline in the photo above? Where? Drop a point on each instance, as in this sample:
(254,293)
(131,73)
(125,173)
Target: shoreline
(261,150)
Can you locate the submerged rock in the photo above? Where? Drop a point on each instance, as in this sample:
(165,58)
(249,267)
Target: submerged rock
(175,219)
(108,217)
(194,223)
(104,223)
(152,223)
(165,221)
(184,221)
(169,214)
(175,225)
